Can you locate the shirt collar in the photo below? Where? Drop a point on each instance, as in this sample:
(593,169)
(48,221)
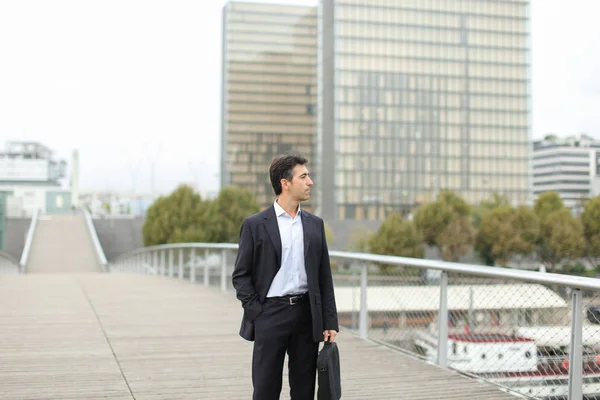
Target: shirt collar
(279,211)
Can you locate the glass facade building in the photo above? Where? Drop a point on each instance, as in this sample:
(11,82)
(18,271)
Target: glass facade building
(417,96)
(269,91)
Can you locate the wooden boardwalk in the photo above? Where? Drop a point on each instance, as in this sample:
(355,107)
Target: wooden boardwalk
(114,336)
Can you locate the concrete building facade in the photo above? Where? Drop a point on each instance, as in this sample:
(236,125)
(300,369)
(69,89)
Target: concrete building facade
(30,177)
(569,166)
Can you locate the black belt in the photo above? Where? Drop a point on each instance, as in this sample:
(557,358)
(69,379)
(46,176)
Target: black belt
(290,299)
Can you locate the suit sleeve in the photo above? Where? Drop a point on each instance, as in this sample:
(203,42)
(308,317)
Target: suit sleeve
(330,318)
(242,273)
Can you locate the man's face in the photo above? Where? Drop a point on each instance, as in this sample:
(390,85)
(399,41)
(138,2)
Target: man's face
(299,186)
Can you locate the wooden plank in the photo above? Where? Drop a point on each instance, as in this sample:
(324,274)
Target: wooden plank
(51,344)
(172,340)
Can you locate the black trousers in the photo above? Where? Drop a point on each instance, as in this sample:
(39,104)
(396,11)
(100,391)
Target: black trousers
(282,328)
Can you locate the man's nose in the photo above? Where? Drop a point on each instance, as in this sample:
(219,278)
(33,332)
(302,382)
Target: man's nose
(310,182)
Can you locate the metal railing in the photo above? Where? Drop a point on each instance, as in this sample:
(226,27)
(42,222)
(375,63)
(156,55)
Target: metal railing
(526,331)
(8,264)
(94,235)
(28,241)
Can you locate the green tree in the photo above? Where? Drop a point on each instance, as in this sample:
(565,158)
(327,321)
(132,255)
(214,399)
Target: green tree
(329,236)
(555,221)
(359,240)
(456,203)
(526,231)
(397,237)
(506,231)
(224,216)
(174,218)
(456,239)
(483,247)
(497,200)
(573,268)
(433,219)
(182,216)
(561,237)
(546,204)
(491,240)
(591,230)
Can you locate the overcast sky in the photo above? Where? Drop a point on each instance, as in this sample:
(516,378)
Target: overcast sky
(132,83)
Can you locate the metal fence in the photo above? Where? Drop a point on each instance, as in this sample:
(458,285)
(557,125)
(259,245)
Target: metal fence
(511,327)
(29,241)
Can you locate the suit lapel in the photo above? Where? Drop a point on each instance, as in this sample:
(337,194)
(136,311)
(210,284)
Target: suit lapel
(273,231)
(306,228)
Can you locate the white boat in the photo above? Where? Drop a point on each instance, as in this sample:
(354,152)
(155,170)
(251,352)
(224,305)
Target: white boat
(533,361)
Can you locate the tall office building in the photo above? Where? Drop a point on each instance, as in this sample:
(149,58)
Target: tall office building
(568,166)
(269,91)
(416,96)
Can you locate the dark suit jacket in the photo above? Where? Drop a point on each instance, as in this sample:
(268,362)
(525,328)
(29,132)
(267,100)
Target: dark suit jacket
(259,259)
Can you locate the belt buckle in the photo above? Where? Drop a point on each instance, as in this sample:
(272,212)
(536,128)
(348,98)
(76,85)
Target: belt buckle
(292,300)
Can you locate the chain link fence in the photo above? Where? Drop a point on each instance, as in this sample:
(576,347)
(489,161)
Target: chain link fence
(510,332)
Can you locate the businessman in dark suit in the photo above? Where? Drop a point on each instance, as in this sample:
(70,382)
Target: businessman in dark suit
(283,278)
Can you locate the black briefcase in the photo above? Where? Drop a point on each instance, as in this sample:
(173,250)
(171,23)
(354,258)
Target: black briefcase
(328,370)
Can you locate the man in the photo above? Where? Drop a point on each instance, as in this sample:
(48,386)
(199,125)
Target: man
(283,278)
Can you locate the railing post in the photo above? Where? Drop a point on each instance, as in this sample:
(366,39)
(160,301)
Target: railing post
(162,262)
(442,355)
(181,263)
(206,270)
(170,263)
(224,271)
(576,347)
(363,318)
(139,262)
(155,261)
(193,266)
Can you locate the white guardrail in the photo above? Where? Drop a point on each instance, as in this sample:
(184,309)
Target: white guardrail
(94,235)
(28,241)
(532,333)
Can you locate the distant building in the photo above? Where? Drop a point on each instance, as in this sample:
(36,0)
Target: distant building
(420,96)
(392,101)
(268,93)
(110,204)
(30,177)
(569,166)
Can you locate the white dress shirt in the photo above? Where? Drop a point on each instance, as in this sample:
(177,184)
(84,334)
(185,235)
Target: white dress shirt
(291,277)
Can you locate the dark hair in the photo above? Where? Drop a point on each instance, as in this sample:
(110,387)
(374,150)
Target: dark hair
(282,167)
